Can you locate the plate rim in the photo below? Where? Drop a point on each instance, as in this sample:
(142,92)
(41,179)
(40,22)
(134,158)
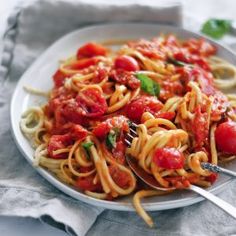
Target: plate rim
(64,188)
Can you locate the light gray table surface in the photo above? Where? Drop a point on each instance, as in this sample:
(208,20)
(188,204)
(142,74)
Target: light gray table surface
(195,12)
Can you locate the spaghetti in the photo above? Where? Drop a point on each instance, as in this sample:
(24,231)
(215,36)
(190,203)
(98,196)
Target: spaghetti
(166,86)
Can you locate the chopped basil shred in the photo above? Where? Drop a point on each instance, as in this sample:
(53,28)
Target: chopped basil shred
(148,85)
(216,28)
(86,147)
(176,62)
(111,138)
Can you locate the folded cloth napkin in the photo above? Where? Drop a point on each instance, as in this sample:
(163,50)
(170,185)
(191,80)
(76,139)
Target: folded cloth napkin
(31,29)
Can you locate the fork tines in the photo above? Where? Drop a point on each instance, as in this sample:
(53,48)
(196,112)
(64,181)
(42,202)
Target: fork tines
(132,134)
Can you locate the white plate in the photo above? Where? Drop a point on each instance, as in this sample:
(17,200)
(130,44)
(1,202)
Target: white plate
(39,76)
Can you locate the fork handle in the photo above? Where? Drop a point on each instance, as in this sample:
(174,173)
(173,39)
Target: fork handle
(231,210)
(217,169)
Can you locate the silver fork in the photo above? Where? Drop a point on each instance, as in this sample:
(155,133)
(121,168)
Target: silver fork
(150,180)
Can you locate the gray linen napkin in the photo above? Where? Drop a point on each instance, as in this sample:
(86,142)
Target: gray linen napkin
(32,27)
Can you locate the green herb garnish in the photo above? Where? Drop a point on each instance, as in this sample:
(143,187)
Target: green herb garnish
(216,28)
(86,147)
(148,85)
(176,62)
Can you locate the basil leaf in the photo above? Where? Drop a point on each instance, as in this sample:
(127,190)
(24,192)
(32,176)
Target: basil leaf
(111,139)
(148,85)
(216,28)
(176,62)
(86,147)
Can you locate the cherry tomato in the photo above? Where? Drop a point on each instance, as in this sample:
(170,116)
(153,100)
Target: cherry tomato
(200,47)
(90,50)
(137,107)
(168,158)
(219,105)
(125,77)
(119,152)
(72,112)
(59,78)
(58,142)
(83,63)
(86,183)
(212,178)
(170,89)
(92,102)
(126,63)
(225,136)
(168,115)
(78,132)
(119,176)
(104,128)
(151,49)
(200,128)
(187,57)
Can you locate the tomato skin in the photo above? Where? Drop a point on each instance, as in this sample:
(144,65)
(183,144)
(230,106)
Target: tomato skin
(59,78)
(119,177)
(168,158)
(192,59)
(58,142)
(78,132)
(90,50)
(86,183)
(126,63)
(200,128)
(168,115)
(212,178)
(83,63)
(92,103)
(138,106)
(119,152)
(125,77)
(200,47)
(225,136)
(72,112)
(104,128)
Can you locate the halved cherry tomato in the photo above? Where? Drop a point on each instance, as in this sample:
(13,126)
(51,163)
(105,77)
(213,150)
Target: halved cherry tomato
(225,136)
(120,177)
(83,63)
(92,102)
(200,128)
(86,183)
(212,178)
(59,78)
(72,112)
(168,158)
(138,106)
(187,57)
(120,122)
(151,49)
(119,152)
(126,63)
(77,132)
(125,77)
(90,50)
(168,115)
(200,47)
(58,142)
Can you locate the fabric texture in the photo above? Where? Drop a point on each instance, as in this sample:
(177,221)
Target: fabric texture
(32,27)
